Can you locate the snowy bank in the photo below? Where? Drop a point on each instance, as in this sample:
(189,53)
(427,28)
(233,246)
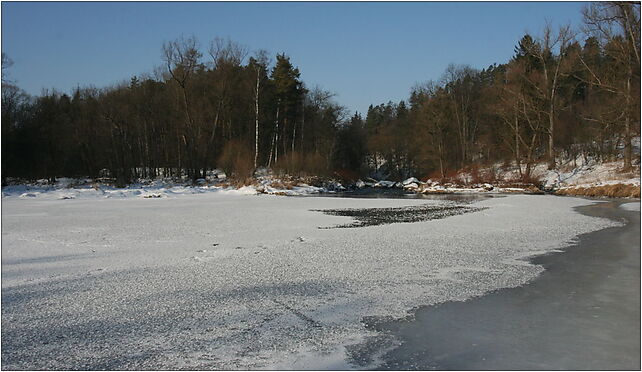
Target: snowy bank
(66,188)
(578,177)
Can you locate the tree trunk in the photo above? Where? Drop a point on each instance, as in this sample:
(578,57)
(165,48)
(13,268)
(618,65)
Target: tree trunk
(256,118)
(302,121)
(517,162)
(293,136)
(276,135)
(441,161)
(628,150)
(178,152)
(285,138)
(274,139)
(551,127)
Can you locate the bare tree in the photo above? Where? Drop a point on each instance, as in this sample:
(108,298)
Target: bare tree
(227,52)
(460,83)
(181,57)
(550,51)
(259,63)
(522,114)
(226,57)
(6,63)
(617,26)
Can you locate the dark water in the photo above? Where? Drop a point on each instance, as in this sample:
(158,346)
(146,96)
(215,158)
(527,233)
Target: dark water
(582,313)
(383,216)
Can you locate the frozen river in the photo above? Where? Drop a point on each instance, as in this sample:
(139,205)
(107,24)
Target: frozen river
(582,313)
(246,282)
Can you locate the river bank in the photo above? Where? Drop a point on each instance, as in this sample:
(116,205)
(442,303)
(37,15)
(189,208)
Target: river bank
(582,312)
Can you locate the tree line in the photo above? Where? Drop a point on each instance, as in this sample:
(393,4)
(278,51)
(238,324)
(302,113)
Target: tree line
(194,115)
(563,93)
(557,96)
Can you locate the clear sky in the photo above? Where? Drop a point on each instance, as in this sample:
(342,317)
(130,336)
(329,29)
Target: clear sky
(364,52)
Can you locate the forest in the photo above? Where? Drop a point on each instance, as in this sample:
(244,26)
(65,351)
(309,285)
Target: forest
(565,93)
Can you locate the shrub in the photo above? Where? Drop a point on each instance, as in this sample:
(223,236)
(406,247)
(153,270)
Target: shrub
(237,160)
(347,175)
(316,164)
(292,164)
(298,164)
(610,191)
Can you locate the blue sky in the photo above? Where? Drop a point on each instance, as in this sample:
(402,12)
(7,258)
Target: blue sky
(364,52)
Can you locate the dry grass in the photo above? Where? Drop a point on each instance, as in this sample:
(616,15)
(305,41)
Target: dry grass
(236,160)
(610,191)
(301,165)
(237,183)
(481,175)
(474,176)
(347,176)
(534,190)
(283,184)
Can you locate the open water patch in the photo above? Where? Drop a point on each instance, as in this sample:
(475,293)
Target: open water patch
(382,216)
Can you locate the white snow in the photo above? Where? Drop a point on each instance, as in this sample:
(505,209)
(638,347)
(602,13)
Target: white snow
(385,184)
(586,174)
(569,173)
(223,281)
(151,190)
(410,180)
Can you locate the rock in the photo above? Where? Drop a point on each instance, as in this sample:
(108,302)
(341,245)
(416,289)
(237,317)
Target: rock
(410,180)
(387,184)
(411,186)
(152,196)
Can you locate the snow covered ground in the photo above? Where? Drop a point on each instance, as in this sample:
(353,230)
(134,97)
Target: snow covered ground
(569,174)
(223,281)
(586,174)
(66,188)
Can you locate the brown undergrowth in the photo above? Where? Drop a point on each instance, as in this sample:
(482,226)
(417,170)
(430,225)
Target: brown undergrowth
(610,191)
(283,182)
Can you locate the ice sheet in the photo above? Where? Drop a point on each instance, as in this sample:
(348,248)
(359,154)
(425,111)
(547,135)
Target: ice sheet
(216,281)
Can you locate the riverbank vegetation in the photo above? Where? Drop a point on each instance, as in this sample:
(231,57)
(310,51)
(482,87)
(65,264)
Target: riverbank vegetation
(565,94)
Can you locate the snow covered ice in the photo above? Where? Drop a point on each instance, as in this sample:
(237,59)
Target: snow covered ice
(224,281)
